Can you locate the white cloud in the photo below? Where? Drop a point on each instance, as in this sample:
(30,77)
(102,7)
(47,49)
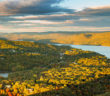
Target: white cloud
(84,19)
(45,22)
(44,29)
(40,13)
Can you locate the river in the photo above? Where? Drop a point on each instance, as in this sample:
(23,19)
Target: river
(99,49)
(5,75)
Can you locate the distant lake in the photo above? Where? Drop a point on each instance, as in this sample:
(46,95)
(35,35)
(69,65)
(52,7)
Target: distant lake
(5,75)
(99,49)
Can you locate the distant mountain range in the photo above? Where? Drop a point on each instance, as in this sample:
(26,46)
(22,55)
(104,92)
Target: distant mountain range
(49,32)
(76,38)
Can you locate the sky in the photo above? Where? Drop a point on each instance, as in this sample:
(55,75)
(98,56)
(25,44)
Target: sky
(54,15)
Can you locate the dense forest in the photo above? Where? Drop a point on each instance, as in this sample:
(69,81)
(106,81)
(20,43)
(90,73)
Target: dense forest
(78,38)
(37,69)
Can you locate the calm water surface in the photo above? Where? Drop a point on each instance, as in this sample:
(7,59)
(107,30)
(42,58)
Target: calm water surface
(99,49)
(4,75)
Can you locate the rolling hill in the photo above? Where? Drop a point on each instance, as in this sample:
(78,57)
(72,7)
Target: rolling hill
(76,38)
(37,69)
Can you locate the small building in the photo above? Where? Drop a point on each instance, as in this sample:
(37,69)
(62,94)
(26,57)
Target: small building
(75,63)
(61,54)
(30,90)
(61,57)
(13,50)
(7,86)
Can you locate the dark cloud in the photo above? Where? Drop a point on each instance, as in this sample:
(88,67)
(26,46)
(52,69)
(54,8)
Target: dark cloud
(59,18)
(50,14)
(98,17)
(93,13)
(98,11)
(31,7)
(55,17)
(97,22)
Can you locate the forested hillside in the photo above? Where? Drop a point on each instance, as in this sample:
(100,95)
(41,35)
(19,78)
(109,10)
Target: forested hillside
(37,69)
(21,55)
(102,38)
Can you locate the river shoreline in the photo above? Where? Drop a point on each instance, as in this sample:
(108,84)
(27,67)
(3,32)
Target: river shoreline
(98,49)
(4,75)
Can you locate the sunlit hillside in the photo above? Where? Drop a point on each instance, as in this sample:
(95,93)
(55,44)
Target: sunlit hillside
(37,69)
(54,47)
(102,39)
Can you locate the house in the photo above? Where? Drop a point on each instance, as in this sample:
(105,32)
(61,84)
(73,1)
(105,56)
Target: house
(13,50)
(30,90)
(61,54)
(7,86)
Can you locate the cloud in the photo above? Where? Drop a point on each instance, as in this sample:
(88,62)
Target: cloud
(85,19)
(95,11)
(53,17)
(95,16)
(94,21)
(1,26)
(9,7)
(46,29)
(22,14)
(87,15)
(43,22)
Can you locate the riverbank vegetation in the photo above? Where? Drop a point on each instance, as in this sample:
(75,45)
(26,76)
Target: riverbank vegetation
(47,70)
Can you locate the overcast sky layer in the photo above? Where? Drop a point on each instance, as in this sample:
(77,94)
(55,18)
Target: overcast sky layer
(54,15)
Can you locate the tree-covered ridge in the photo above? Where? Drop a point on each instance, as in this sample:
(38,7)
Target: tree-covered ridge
(21,55)
(48,70)
(102,38)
